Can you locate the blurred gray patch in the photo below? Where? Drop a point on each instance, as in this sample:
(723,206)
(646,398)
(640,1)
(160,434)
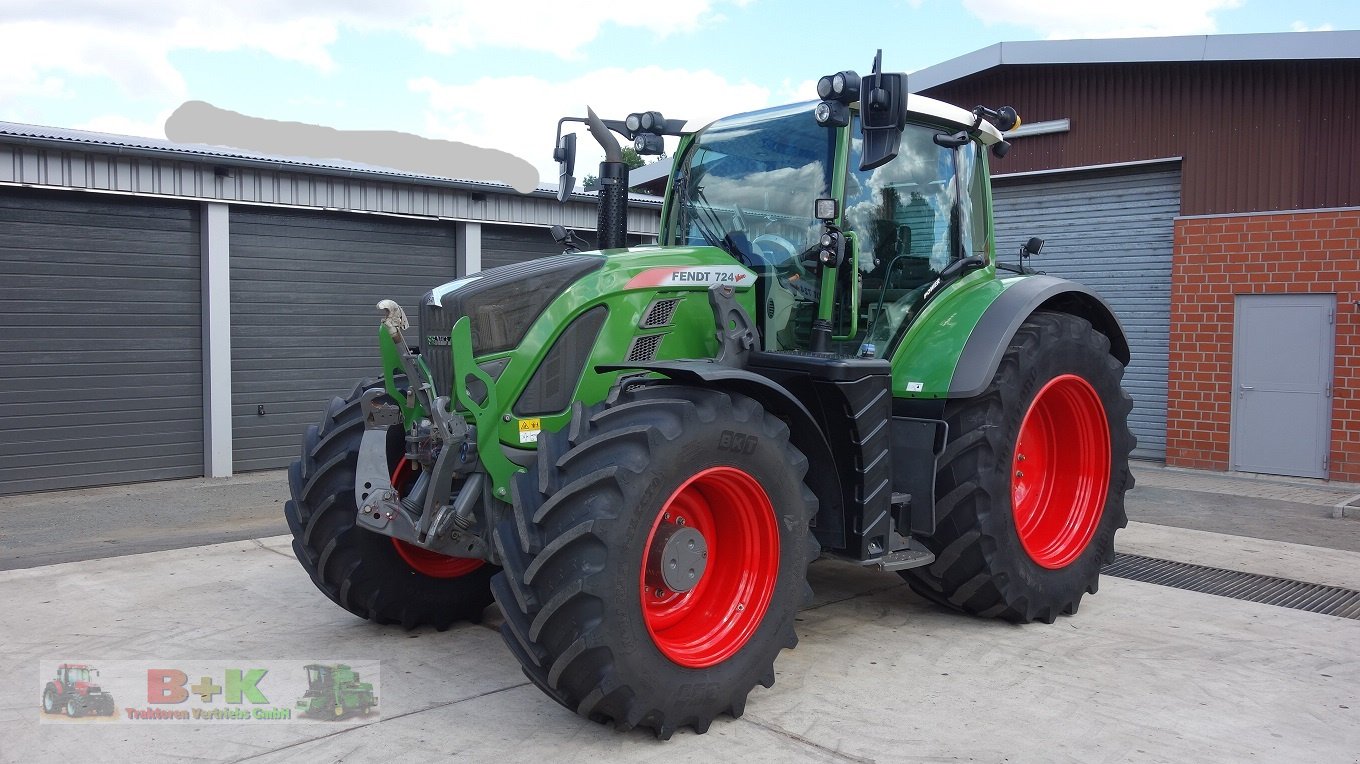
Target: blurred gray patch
(200,122)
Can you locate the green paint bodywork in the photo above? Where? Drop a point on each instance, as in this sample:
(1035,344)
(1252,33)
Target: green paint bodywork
(929,353)
(691,334)
(923,363)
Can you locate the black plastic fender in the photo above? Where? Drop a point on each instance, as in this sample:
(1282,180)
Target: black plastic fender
(804,432)
(988,341)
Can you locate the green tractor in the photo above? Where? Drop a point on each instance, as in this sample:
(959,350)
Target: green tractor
(637,452)
(335,691)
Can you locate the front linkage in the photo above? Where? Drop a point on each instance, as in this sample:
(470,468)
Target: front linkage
(447,448)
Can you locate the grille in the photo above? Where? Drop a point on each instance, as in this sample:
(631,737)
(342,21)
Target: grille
(1269,590)
(660,314)
(644,347)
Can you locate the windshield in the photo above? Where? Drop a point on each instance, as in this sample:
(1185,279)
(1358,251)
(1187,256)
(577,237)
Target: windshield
(748,183)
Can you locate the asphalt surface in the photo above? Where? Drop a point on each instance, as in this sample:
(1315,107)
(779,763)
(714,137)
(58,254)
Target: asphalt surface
(67,526)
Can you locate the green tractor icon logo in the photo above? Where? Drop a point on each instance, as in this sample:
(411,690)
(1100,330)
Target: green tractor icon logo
(334,692)
(74,692)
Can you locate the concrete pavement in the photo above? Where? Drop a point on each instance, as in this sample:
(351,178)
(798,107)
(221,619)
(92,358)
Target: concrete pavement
(1142,673)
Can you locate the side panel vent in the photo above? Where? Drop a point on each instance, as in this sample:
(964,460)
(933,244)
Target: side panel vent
(659,314)
(644,347)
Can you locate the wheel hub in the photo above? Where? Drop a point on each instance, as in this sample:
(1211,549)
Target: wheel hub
(680,555)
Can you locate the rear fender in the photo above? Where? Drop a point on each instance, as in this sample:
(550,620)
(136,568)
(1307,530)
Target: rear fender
(981,354)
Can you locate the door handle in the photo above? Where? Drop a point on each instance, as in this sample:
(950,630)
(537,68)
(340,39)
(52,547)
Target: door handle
(1246,387)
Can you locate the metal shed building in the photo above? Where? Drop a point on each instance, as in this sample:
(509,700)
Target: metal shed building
(181,310)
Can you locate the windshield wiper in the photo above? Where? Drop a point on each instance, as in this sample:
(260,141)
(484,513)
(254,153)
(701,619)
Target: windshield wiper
(696,214)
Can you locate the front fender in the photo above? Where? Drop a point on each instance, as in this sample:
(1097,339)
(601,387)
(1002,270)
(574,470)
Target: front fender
(804,432)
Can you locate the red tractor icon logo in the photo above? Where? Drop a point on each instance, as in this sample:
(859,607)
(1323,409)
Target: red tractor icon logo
(74,692)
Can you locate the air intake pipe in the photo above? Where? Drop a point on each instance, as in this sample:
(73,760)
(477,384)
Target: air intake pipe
(613,189)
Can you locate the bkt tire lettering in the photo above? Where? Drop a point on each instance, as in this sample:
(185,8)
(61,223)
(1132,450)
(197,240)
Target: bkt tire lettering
(737,443)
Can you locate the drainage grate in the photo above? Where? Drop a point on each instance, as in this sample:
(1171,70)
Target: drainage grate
(1285,592)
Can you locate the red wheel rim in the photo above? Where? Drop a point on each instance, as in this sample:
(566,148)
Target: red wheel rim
(422,560)
(1060,474)
(712,621)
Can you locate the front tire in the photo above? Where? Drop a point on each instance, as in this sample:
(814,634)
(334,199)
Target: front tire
(1030,488)
(51,703)
(367,573)
(658,558)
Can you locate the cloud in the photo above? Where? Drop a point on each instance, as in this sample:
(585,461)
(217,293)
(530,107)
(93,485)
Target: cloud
(131,43)
(551,27)
(1299,26)
(1060,19)
(522,119)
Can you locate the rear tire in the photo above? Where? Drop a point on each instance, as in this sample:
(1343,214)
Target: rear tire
(1026,546)
(591,611)
(51,703)
(362,571)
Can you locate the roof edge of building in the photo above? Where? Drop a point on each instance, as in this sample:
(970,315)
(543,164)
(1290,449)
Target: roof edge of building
(1270,46)
(109,143)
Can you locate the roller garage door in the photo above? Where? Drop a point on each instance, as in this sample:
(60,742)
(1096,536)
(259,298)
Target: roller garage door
(507,244)
(304,327)
(1114,233)
(100,363)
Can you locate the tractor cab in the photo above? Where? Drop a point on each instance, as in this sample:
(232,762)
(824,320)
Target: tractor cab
(750,185)
(74,675)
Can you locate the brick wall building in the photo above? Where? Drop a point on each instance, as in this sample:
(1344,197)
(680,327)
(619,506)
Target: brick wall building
(1244,291)
(1217,260)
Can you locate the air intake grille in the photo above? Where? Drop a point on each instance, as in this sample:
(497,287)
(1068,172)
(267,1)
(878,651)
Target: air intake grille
(660,314)
(1284,592)
(644,347)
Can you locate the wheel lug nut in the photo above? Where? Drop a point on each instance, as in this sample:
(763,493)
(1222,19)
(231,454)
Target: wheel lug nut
(1018,473)
(741,606)
(679,521)
(660,593)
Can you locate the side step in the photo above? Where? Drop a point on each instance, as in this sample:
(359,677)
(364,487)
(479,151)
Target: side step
(914,555)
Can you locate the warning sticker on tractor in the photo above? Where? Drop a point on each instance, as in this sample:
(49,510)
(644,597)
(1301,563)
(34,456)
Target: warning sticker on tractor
(529,429)
(693,276)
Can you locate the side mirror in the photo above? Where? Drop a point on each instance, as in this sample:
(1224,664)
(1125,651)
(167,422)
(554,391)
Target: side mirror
(1032,247)
(882,114)
(565,156)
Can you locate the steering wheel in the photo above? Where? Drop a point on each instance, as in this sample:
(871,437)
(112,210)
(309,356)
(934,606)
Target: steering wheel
(786,249)
(789,270)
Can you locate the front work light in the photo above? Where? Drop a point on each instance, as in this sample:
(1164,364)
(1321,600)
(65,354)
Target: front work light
(841,86)
(832,114)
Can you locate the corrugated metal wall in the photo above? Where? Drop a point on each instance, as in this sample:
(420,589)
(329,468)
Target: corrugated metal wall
(304,327)
(1114,233)
(1255,136)
(101,361)
(196,177)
